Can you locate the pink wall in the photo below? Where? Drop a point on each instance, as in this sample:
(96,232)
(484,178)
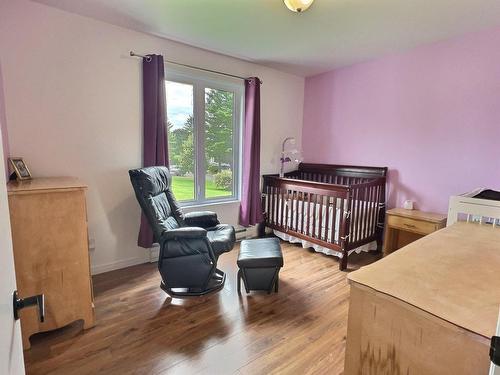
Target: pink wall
(432,115)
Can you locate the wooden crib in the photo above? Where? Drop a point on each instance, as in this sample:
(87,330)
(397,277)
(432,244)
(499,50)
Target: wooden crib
(337,207)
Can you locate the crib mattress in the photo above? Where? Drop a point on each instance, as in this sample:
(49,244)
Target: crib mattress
(329,228)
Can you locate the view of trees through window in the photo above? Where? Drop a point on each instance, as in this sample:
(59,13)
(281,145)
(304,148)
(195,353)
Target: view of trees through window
(217,158)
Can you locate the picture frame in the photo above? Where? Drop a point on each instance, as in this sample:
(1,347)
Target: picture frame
(20,168)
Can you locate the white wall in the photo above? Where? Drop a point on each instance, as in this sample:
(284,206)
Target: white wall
(73,107)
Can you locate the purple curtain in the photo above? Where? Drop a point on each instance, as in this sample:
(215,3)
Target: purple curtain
(250,208)
(155,146)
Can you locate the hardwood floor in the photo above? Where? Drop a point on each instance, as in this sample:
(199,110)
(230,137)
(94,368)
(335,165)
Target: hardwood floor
(141,330)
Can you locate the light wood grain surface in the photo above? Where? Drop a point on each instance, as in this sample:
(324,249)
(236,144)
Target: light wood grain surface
(139,330)
(418,215)
(50,242)
(452,273)
(44,183)
(386,336)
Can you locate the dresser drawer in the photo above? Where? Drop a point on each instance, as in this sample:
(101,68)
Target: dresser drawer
(411,225)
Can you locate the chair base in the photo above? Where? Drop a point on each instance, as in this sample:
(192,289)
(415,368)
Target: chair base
(216,283)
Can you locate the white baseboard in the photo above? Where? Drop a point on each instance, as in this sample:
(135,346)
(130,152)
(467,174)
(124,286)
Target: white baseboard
(154,253)
(245,233)
(101,268)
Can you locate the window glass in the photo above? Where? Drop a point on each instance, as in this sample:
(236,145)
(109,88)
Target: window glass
(180,125)
(204,121)
(219,141)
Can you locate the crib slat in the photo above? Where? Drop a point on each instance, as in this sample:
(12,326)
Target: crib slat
(270,213)
(327,218)
(279,212)
(282,207)
(366,212)
(308,231)
(342,217)
(314,213)
(271,207)
(333,229)
(294,208)
(276,201)
(320,218)
(287,209)
(371,209)
(362,219)
(268,201)
(377,205)
(351,205)
(359,219)
(356,216)
(375,209)
(303,214)
(362,215)
(354,200)
(296,225)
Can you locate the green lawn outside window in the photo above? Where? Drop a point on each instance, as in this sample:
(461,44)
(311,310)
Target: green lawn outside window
(183,188)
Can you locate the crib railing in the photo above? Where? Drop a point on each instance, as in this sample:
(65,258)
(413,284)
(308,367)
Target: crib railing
(307,209)
(336,216)
(368,212)
(327,178)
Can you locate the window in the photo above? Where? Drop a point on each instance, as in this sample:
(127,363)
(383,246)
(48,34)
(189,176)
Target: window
(204,117)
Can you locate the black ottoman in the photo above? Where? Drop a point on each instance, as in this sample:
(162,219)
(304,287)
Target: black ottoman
(259,261)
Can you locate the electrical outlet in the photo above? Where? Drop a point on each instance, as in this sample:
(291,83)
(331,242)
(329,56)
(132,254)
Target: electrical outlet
(91,244)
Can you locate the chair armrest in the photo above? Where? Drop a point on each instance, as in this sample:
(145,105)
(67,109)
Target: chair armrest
(183,233)
(203,219)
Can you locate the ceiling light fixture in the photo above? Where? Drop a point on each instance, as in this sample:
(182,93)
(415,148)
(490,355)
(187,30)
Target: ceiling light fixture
(298,6)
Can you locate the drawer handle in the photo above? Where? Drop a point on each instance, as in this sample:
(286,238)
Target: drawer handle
(21,303)
(409,225)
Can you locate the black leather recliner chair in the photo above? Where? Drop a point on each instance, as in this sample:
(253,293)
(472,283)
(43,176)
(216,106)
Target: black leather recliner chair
(190,244)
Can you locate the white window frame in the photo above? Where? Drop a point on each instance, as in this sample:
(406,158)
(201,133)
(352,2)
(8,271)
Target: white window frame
(201,80)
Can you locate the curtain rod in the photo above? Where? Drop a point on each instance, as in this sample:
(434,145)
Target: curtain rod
(148,59)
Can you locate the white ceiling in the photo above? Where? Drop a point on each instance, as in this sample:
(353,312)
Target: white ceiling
(331,34)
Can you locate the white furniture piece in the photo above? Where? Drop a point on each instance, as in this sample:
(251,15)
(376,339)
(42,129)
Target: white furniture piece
(473,209)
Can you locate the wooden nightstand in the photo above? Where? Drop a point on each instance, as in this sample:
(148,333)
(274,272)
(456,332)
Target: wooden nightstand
(405,226)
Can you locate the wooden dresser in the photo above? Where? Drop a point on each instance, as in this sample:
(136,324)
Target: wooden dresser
(429,308)
(49,234)
(405,226)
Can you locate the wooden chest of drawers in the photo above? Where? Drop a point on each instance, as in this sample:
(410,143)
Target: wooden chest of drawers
(405,226)
(49,234)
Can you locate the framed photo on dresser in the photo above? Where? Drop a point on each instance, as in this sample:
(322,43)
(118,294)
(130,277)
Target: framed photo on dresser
(20,168)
